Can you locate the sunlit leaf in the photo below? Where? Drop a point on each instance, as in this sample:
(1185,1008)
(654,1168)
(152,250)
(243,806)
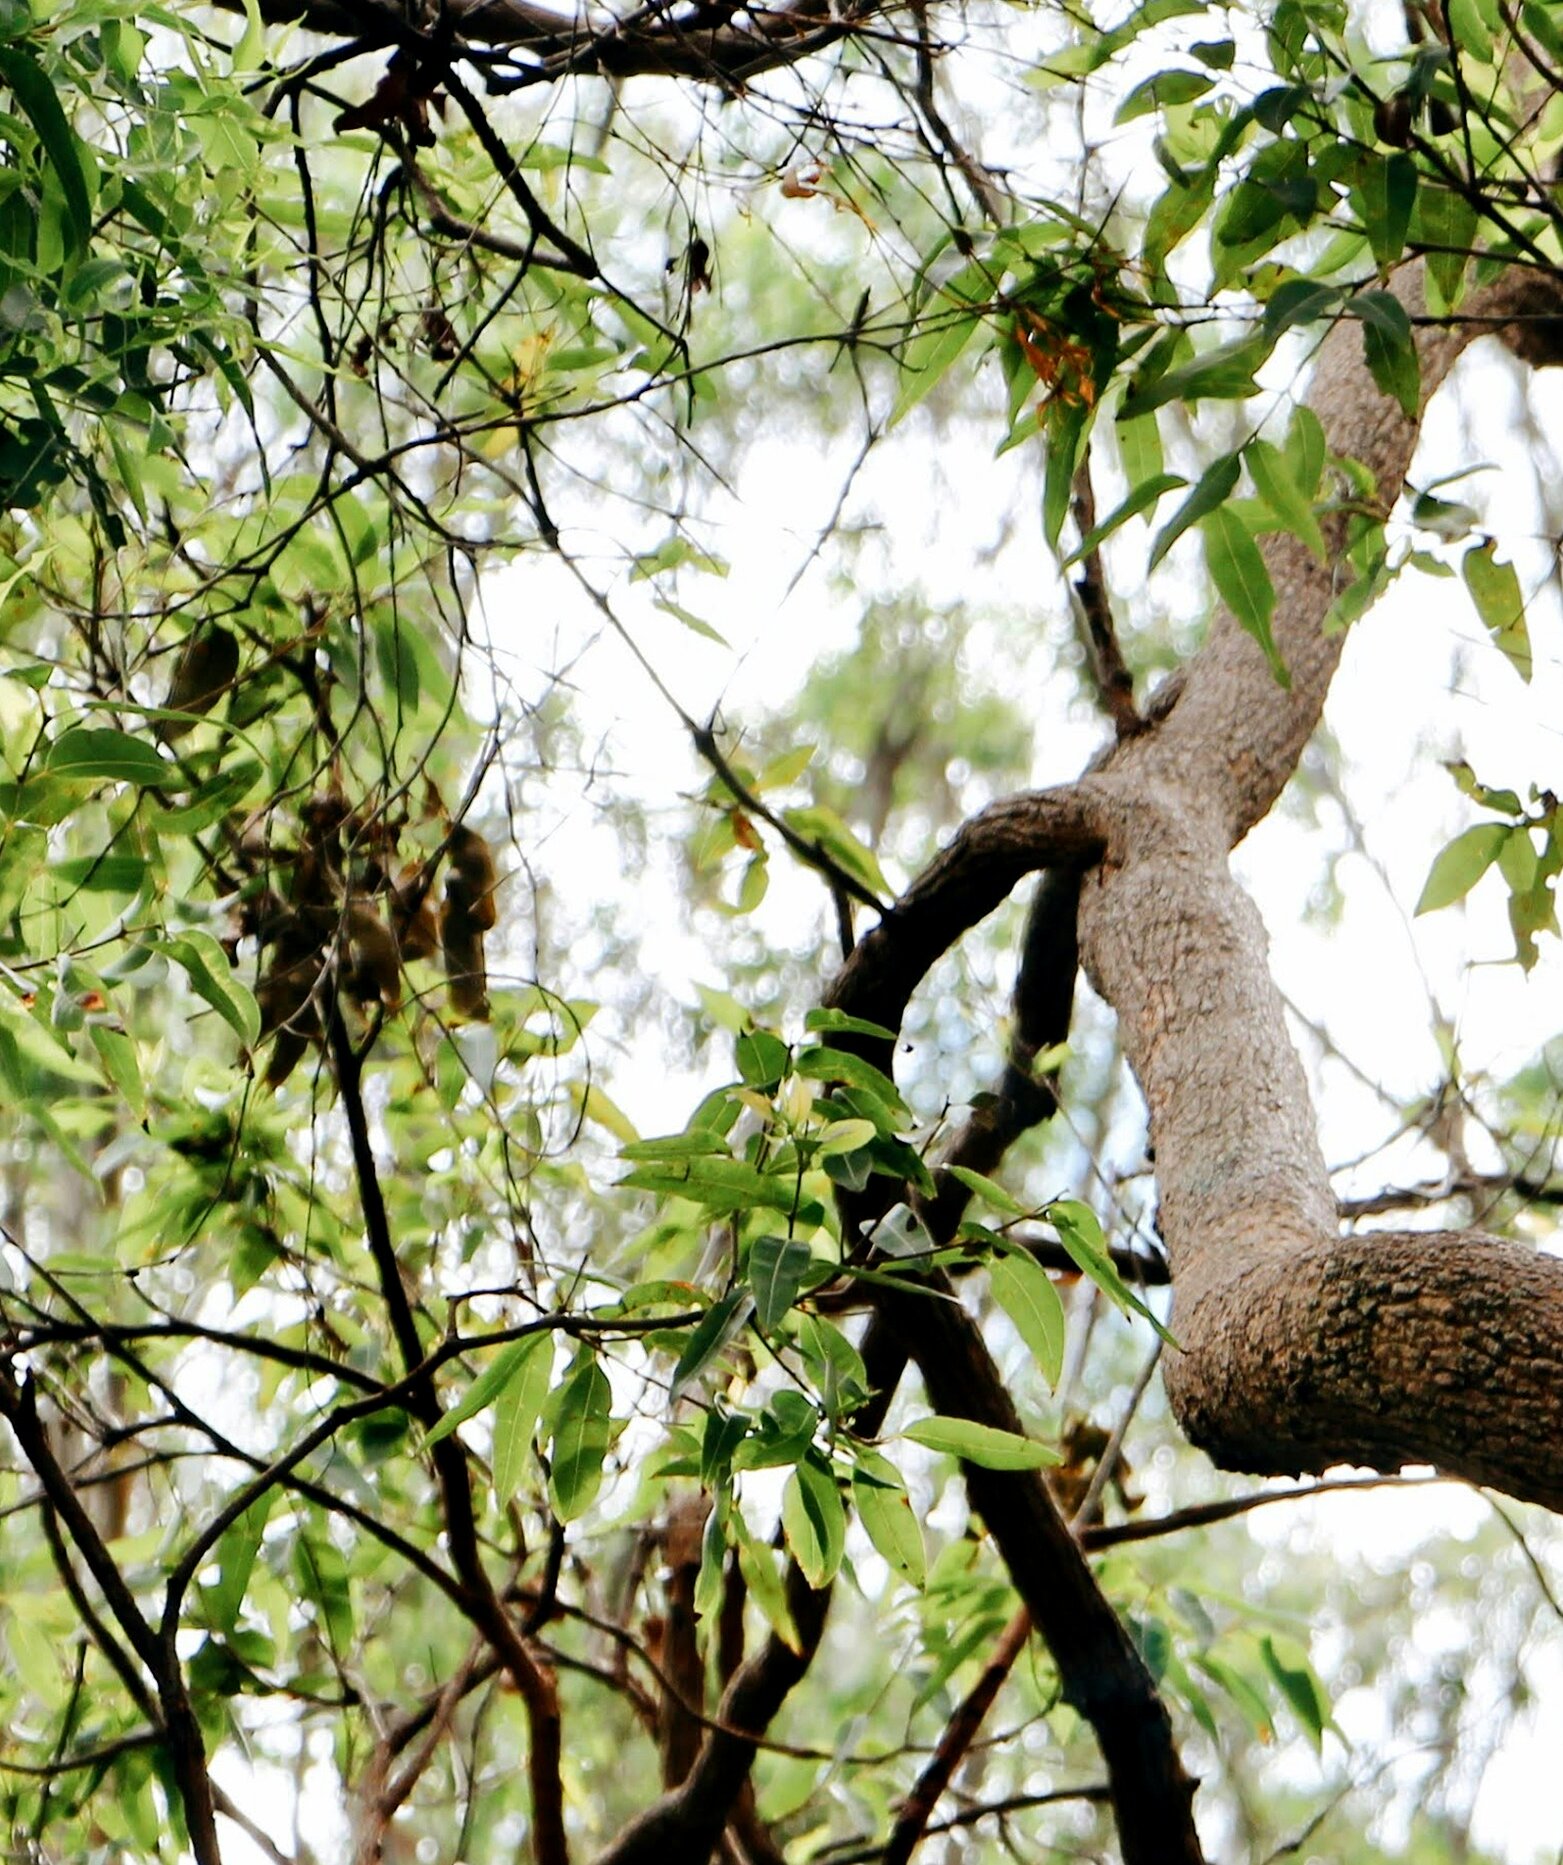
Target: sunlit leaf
(1461,865)
(986,1445)
(1025,1291)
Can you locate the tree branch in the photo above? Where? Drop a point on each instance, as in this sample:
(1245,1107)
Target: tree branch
(533,1680)
(911,1823)
(181,1732)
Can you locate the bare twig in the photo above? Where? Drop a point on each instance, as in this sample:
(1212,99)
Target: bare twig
(911,1823)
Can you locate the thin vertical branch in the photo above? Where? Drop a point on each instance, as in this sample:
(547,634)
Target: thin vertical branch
(534,1680)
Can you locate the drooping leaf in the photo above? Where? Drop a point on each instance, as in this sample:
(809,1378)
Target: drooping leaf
(952,319)
(1389,347)
(1237,568)
(757,1564)
(1495,589)
(1386,187)
(885,1511)
(1025,1291)
(34,90)
(722,1323)
(517,1409)
(1272,476)
(581,1432)
(814,1521)
(1080,1232)
(1140,499)
(1214,487)
(1304,1694)
(777,1267)
(205,964)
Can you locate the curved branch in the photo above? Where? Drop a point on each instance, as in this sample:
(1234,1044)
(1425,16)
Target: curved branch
(972,875)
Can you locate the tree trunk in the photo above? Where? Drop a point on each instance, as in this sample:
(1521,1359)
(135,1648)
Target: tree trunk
(1299,1349)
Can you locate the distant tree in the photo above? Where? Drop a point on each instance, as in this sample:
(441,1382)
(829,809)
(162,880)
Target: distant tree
(381,1449)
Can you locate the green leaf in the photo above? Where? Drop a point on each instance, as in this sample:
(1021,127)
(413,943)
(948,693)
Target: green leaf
(1222,374)
(516,1412)
(205,964)
(813,1520)
(1389,347)
(581,1432)
(123,1066)
(1137,501)
(1139,448)
(837,1022)
(777,1267)
(701,1143)
(844,1136)
(762,1058)
(723,1009)
(721,1324)
(1273,480)
(1175,215)
(757,1564)
(825,829)
(988,1189)
(323,1578)
(885,1511)
(689,619)
(724,1432)
(676,553)
(1237,568)
(1025,1291)
(1166,89)
(1385,195)
(592,1104)
(235,1554)
(719,1183)
(1540,26)
(1461,865)
(1081,1235)
(102,752)
(953,319)
(1495,589)
(508,1364)
(1065,428)
(109,874)
(1302,1690)
(1445,223)
(1215,486)
(34,90)
(1306,450)
(823,1063)
(985,1445)
(1299,301)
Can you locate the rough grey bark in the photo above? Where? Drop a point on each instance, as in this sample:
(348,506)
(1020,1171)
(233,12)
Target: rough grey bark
(1300,1349)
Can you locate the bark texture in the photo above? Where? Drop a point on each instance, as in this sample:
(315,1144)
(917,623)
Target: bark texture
(1300,1349)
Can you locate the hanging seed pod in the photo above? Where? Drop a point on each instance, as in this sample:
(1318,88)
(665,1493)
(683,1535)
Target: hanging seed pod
(472,865)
